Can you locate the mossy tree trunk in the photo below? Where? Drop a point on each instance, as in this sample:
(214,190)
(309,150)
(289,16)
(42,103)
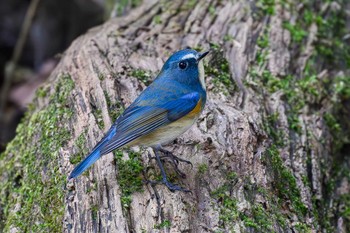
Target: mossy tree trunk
(270,151)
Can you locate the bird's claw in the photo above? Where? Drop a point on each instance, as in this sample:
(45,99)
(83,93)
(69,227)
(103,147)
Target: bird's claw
(172,187)
(175,187)
(175,159)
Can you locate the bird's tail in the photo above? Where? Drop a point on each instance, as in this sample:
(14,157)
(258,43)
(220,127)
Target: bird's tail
(86,163)
(94,155)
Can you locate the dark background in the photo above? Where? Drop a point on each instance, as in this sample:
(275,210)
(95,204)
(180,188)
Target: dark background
(55,25)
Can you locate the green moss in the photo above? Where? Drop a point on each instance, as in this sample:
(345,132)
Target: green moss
(270,128)
(263,40)
(228,37)
(115,108)
(267,7)
(337,117)
(99,119)
(259,218)
(264,217)
(142,75)
(189,4)
(163,224)
(129,175)
(305,180)
(228,205)
(120,7)
(296,31)
(345,211)
(306,92)
(249,222)
(198,48)
(219,69)
(80,145)
(41,92)
(231,176)
(332,123)
(342,88)
(212,10)
(202,168)
(295,95)
(302,227)
(332,49)
(31,177)
(94,211)
(75,159)
(285,183)
(101,77)
(157,19)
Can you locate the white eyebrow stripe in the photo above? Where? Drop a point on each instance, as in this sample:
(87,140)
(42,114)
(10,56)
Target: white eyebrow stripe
(187,56)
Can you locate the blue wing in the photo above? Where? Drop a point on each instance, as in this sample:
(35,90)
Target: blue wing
(141,120)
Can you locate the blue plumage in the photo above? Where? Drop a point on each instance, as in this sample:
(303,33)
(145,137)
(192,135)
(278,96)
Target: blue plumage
(164,110)
(85,164)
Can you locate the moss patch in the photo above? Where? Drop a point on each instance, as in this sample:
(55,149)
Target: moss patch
(142,75)
(32,184)
(99,119)
(308,92)
(258,218)
(218,69)
(266,7)
(115,107)
(129,175)
(164,224)
(285,182)
(80,146)
(202,168)
(227,204)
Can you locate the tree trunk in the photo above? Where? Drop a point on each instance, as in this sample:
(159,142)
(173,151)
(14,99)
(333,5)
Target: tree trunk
(270,152)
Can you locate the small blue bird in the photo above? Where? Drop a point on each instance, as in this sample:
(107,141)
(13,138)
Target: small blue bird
(162,112)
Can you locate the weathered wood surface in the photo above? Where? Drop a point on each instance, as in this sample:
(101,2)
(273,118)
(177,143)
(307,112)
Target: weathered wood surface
(258,165)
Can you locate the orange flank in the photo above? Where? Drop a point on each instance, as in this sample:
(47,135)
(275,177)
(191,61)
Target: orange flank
(196,109)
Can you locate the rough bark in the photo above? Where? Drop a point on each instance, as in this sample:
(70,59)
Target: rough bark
(269,151)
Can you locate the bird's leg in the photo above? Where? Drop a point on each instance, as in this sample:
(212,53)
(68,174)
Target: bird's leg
(171,187)
(175,159)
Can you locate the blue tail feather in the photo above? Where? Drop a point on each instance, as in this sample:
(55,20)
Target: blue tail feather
(86,163)
(94,155)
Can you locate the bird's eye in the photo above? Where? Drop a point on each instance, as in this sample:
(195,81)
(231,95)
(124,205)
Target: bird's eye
(183,65)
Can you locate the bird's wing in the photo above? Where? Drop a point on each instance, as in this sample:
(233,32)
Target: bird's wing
(141,120)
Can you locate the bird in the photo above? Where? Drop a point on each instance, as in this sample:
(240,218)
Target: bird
(167,108)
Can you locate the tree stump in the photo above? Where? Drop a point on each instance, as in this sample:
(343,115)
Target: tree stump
(269,151)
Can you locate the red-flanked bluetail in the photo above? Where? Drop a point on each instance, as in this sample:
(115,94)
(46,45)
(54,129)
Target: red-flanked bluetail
(164,110)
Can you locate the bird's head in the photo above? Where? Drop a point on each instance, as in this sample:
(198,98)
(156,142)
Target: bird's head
(186,67)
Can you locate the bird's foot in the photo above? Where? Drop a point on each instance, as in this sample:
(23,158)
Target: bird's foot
(172,187)
(175,159)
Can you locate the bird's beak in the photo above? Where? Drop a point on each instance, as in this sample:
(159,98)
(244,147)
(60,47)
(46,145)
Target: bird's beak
(202,55)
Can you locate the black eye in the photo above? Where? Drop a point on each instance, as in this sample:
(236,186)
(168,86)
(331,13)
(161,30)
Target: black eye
(183,65)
